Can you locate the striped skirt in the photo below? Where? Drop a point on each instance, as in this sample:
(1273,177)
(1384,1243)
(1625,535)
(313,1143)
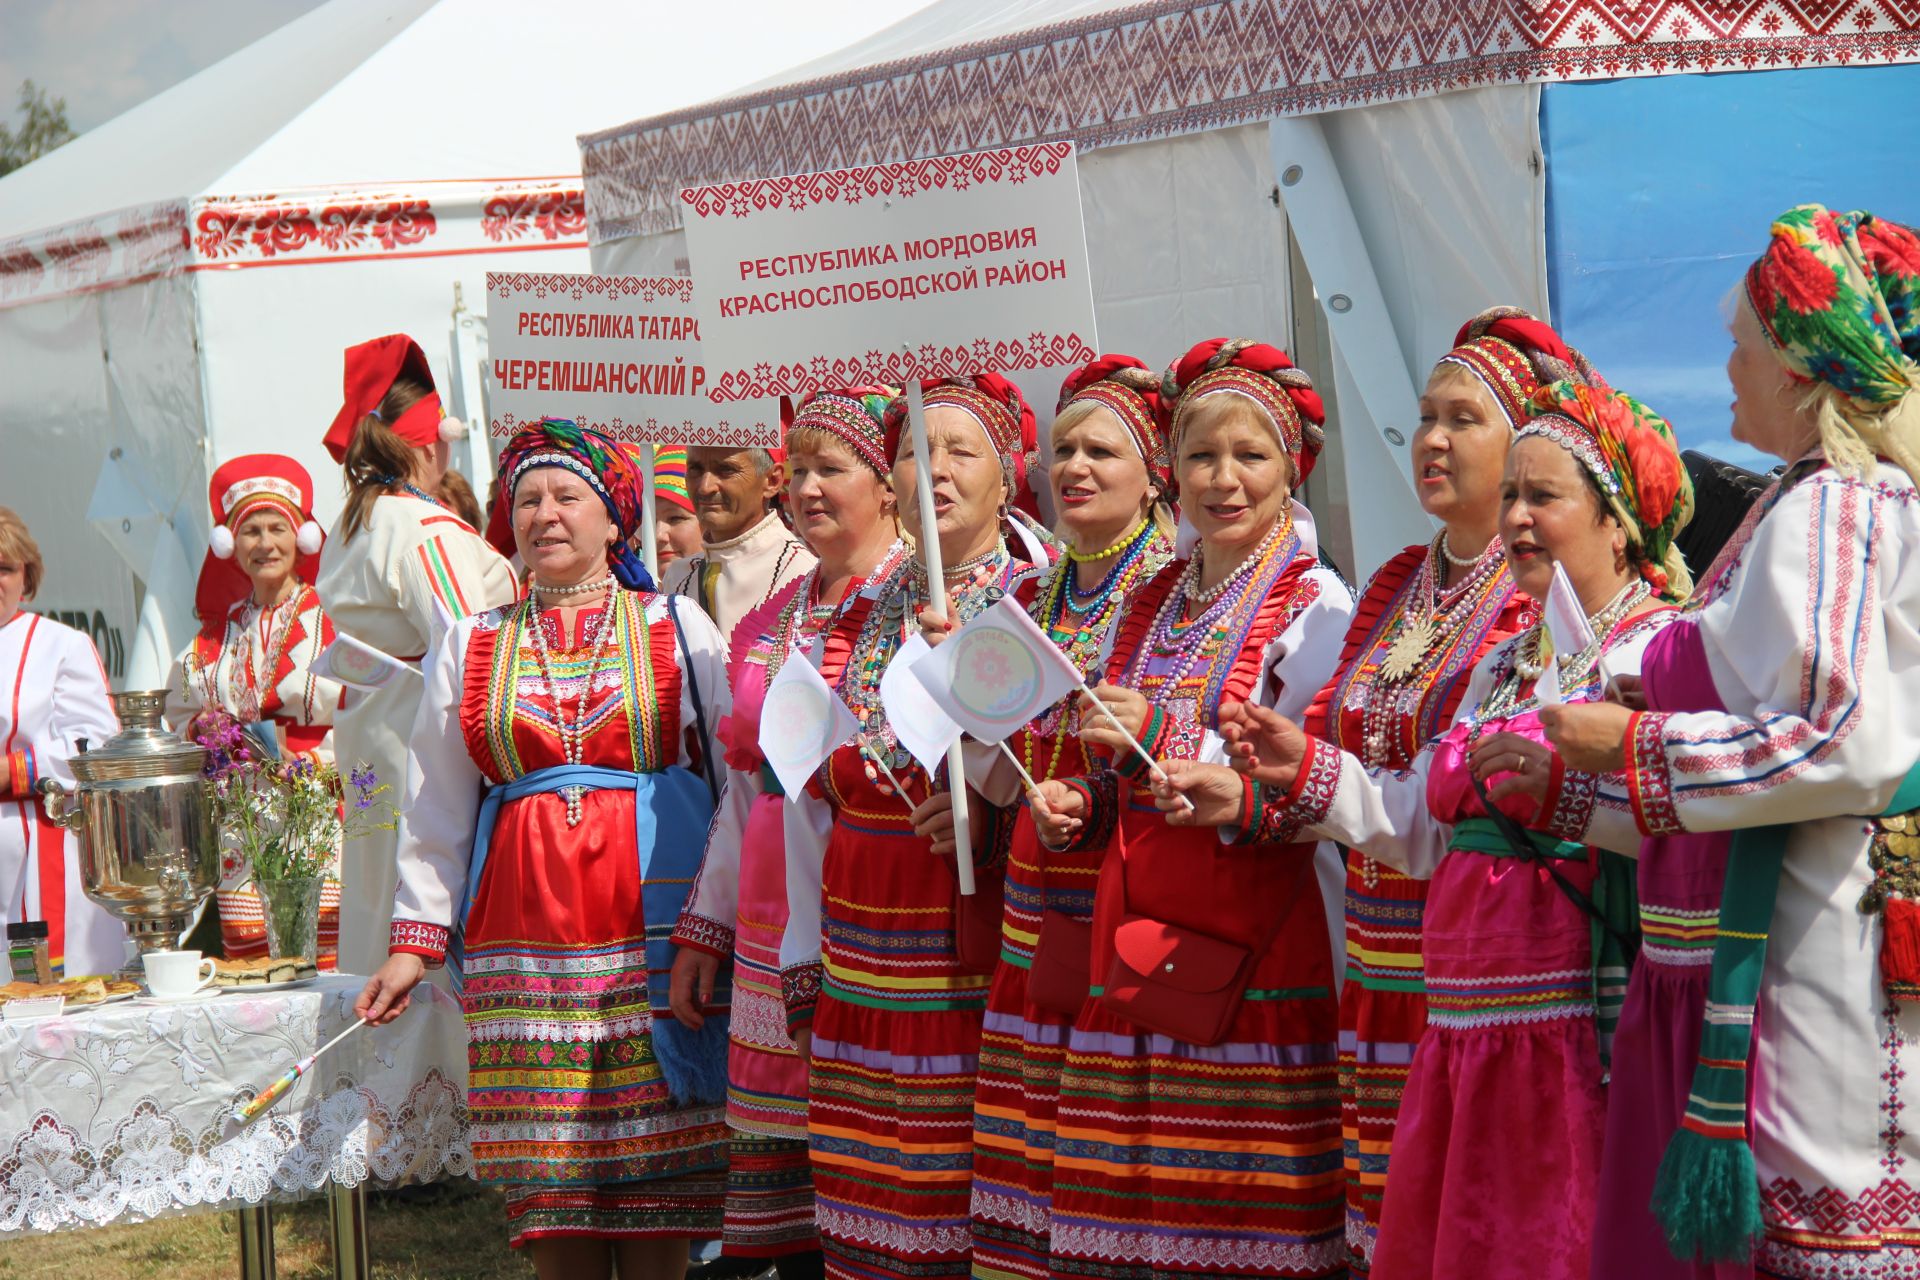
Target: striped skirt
(1383,1011)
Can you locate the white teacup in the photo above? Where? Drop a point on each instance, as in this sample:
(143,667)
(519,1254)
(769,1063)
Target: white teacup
(175,975)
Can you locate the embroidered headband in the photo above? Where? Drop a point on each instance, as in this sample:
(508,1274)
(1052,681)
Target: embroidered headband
(1131,391)
(1259,373)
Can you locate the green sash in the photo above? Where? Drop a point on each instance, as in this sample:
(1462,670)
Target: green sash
(1707,1195)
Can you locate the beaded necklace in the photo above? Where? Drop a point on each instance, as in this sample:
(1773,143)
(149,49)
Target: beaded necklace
(572,735)
(1078,624)
(1211,640)
(887,626)
(1431,621)
(1529,664)
(803,619)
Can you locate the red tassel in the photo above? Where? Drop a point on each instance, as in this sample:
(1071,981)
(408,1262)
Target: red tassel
(1900,949)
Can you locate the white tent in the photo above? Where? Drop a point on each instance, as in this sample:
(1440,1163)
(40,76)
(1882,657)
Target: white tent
(1350,177)
(176,286)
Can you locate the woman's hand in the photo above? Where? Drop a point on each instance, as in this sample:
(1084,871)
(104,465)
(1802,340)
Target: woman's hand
(1263,744)
(803,1044)
(690,985)
(933,820)
(388,992)
(934,627)
(1528,766)
(1590,736)
(1192,794)
(1127,706)
(1059,811)
(1628,692)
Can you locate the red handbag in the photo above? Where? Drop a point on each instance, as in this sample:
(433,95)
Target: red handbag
(1062,972)
(977,923)
(1181,982)
(1175,980)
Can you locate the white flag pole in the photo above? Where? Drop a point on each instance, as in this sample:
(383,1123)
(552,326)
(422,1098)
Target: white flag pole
(1132,741)
(1020,768)
(649,515)
(938,602)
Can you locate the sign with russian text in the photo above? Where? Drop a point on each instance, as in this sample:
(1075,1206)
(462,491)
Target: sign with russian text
(619,354)
(935,268)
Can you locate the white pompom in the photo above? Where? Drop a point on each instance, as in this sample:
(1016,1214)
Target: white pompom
(308,539)
(452,429)
(222,541)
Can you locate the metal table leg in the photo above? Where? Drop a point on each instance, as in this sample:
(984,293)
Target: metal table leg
(347,1213)
(255,1223)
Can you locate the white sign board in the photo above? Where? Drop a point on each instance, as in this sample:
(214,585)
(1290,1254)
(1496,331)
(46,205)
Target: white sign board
(929,268)
(619,354)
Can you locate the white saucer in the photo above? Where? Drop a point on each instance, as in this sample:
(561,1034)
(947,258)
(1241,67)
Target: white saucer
(192,997)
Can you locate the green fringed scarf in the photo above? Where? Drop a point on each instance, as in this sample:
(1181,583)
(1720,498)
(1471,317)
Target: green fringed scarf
(1707,1194)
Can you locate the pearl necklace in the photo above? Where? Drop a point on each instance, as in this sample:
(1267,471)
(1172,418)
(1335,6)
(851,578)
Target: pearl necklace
(572,736)
(1458,562)
(586,587)
(1191,586)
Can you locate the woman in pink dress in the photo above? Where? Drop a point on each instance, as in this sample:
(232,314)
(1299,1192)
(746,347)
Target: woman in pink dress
(838,490)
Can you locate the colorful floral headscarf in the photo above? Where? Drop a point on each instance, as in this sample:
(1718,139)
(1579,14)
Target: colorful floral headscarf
(1131,391)
(1839,296)
(1513,354)
(608,469)
(1630,452)
(1257,372)
(855,416)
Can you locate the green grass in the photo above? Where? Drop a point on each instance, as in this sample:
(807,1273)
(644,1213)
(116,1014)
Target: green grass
(460,1236)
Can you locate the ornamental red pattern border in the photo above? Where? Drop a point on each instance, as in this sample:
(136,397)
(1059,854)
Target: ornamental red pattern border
(263,227)
(542,283)
(1172,67)
(1035,351)
(904,180)
(552,213)
(744,435)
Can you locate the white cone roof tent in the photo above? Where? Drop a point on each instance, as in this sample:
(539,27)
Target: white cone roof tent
(177,285)
(1354,178)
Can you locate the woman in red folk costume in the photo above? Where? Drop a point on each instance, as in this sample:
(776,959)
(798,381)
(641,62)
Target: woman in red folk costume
(261,627)
(837,489)
(1422,622)
(555,815)
(1198,1129)
(398,568)
(1110,481)
(877,990)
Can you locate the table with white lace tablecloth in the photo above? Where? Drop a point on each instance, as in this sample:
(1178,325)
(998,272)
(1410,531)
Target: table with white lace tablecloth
(122,1112)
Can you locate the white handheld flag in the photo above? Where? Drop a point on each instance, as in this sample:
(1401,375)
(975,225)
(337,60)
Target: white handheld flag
(801,723)
(358,664)
(922,727)
(1567,625)
(997,673)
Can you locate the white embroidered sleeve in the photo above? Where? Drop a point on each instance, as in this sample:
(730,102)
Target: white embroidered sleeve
(442,801)
(1813,649)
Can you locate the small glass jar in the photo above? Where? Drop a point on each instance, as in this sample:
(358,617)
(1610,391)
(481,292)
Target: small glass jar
(27,951)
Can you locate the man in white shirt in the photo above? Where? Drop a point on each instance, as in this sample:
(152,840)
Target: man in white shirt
(748,552)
